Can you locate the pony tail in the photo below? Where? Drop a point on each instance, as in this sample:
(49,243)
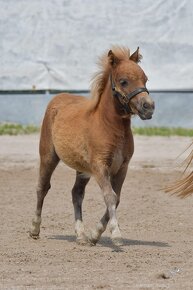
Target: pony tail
(183,187)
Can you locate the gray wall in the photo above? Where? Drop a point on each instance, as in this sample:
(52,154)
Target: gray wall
(172,109)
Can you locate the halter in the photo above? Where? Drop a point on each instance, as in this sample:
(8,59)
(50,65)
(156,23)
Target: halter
(124,99)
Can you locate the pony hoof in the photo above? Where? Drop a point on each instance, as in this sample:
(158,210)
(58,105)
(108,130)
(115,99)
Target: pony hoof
(93,241)
(118,241)
(83,241)
(34,236)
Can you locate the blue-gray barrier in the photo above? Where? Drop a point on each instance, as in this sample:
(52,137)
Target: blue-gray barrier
(172,109)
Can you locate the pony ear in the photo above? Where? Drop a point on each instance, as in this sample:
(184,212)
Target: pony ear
(136,56)
(113,60)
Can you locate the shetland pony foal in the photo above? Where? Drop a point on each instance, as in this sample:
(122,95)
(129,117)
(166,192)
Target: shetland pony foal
(93,136)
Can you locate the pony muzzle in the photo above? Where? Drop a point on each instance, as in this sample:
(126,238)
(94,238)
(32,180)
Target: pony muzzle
(146,108)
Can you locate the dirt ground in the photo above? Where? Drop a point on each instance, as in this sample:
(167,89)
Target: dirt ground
(157,228)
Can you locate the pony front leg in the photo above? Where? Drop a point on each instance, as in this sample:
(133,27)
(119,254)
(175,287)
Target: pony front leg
(100,228)
(116,183)
(111,200)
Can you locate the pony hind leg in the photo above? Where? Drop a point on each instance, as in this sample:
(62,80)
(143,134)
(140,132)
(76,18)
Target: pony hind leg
(78,192)
(48,163)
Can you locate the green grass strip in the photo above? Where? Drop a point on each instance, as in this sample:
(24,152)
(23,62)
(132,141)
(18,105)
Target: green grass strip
(163,131)
(17,129)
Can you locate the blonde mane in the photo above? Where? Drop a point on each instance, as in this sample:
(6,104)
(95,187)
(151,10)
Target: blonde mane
(100,79)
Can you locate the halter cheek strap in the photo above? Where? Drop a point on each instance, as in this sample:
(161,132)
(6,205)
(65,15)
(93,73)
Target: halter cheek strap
(124,99)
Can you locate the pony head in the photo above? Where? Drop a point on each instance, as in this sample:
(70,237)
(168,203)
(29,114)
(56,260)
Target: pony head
(128,82)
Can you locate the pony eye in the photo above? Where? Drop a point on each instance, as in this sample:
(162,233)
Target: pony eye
(123,83)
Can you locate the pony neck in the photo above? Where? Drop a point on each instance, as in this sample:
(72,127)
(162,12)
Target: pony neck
(108,105)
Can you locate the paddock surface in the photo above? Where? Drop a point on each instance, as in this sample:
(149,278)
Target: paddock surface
(157,228)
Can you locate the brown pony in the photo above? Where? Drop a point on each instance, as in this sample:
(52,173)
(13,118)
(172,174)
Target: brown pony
(93,136)
(184,186)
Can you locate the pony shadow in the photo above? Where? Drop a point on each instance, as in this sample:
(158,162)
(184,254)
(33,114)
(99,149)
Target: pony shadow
(128,242)
(68,238)
(107,242)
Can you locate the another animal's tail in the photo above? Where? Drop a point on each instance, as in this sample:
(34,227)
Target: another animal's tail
(184,186)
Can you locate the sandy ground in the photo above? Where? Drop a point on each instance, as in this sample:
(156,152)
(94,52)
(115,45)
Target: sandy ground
(157,228)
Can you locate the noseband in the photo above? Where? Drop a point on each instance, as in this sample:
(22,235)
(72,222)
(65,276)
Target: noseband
(124,99)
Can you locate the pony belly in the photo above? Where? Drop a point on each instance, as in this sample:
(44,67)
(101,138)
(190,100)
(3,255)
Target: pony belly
(72,158)
(78,165)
